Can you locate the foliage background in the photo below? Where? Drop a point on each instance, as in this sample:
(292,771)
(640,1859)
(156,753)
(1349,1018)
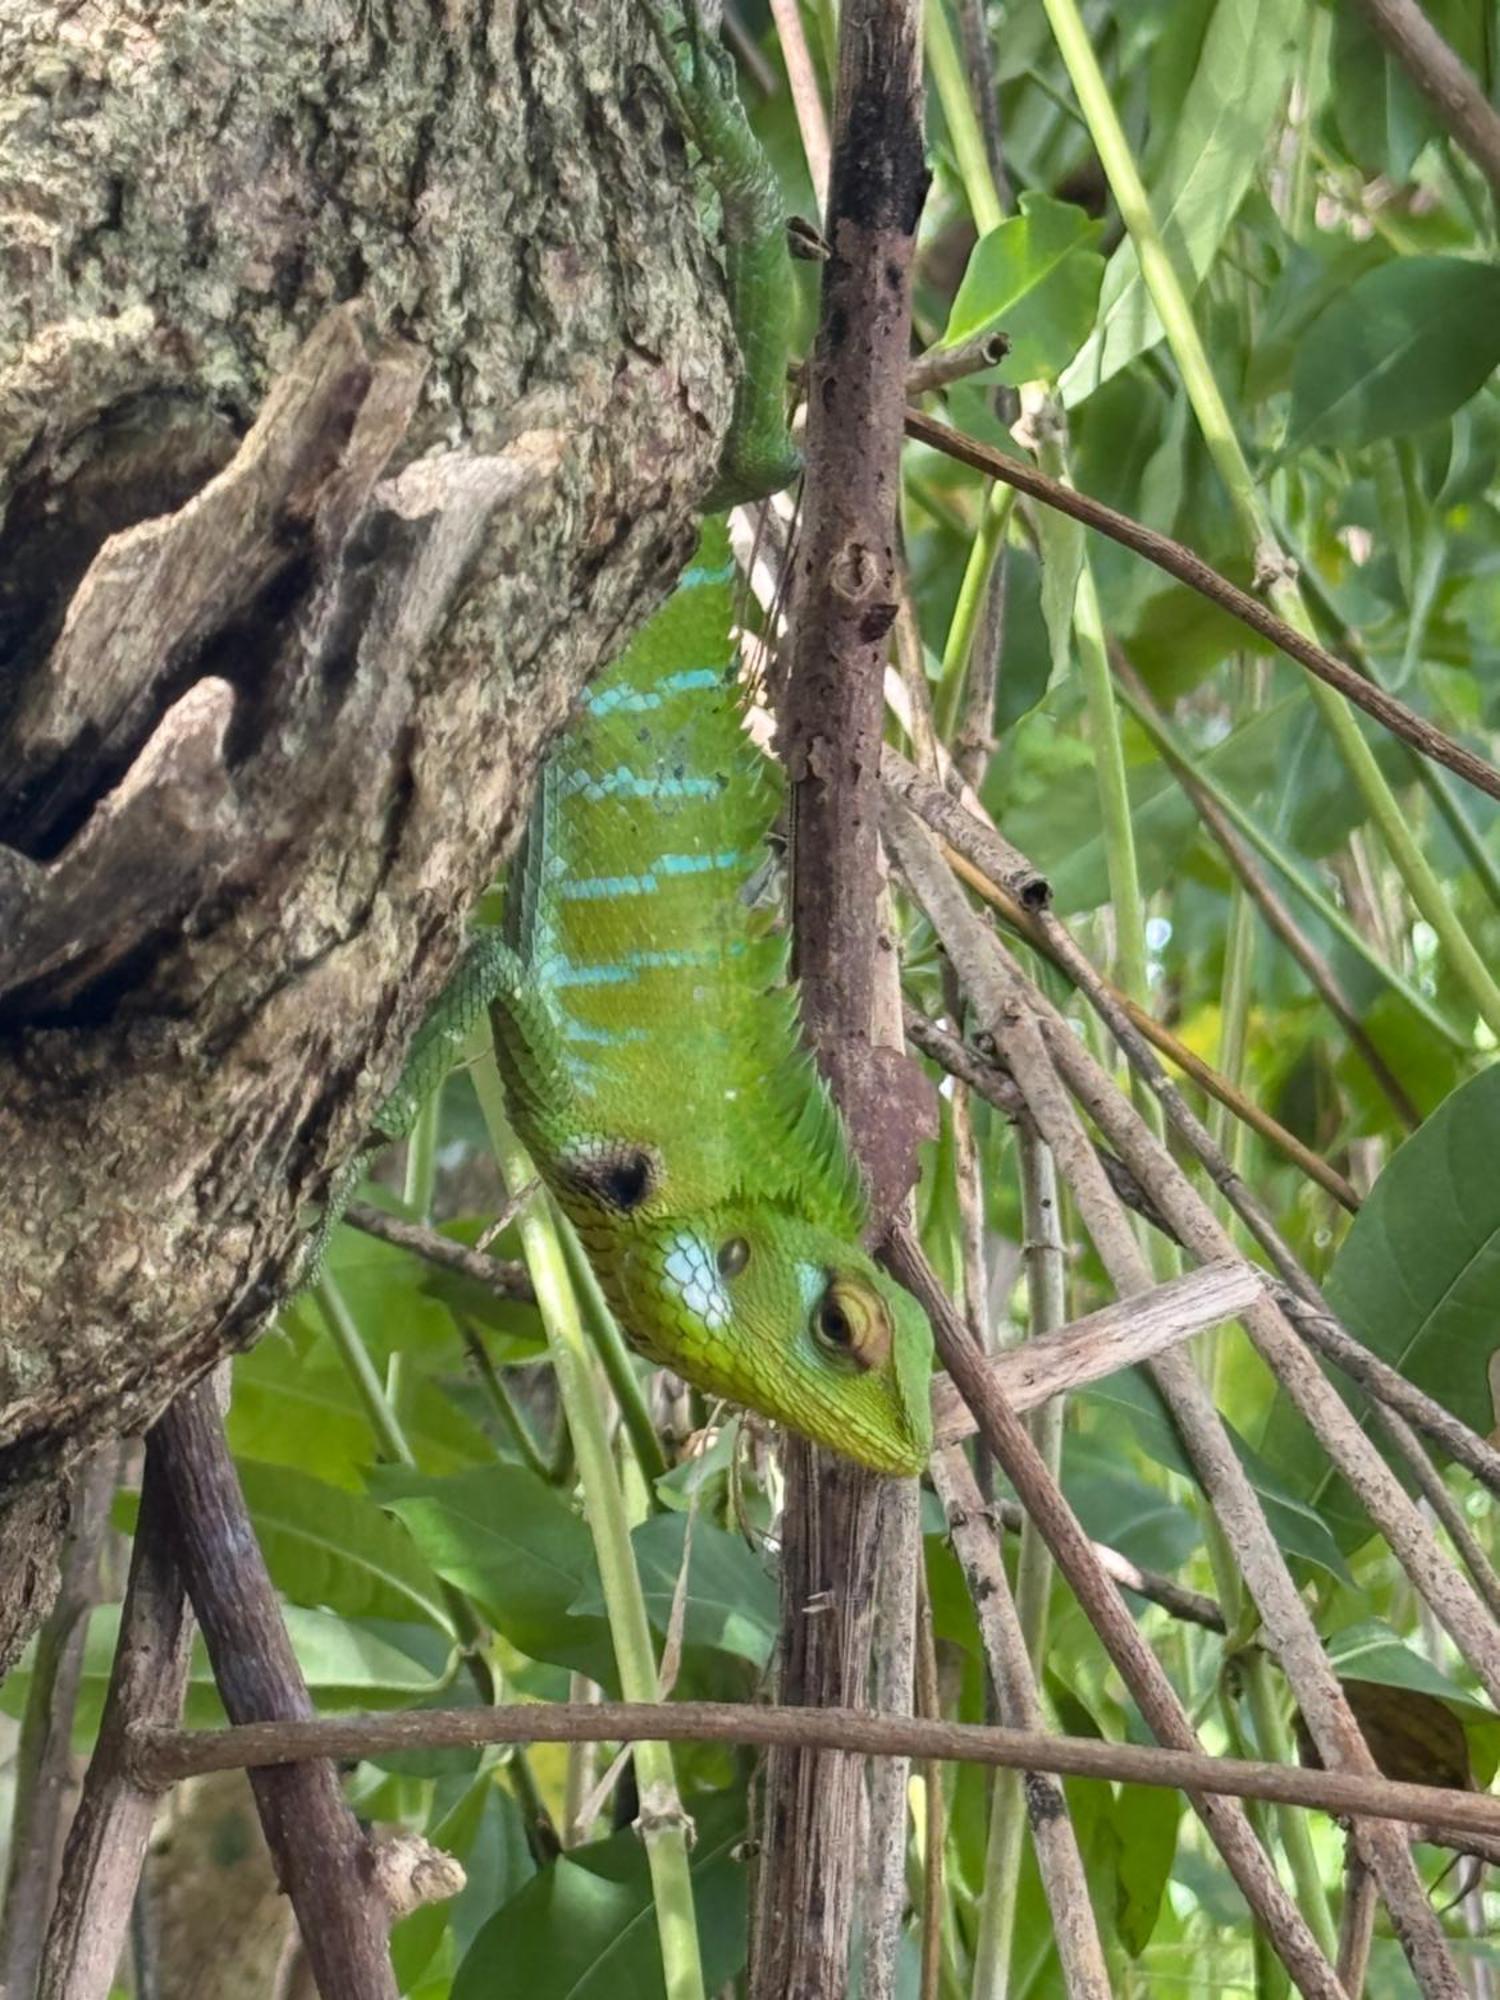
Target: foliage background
(1338,253)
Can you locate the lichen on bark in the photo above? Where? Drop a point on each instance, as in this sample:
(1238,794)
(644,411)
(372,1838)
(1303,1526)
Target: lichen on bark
(360,366)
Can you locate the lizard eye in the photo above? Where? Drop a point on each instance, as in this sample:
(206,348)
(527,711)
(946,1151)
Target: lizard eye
(850,1323)
(734,1255)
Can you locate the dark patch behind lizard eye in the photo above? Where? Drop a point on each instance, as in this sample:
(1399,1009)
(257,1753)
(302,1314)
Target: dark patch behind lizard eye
(618,1177)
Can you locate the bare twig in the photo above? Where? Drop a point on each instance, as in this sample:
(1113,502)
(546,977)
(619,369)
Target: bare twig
(807,102)
(322,1859)
(1357,1921)
(1061,1865)
(44,1753)
(989,864)
(1453,93)
(1279,919)
(1102,1343)
(939,366)
(1190,569)
(891,1682)
(1006,1004)
(502,1279)
(1321,1329)
(1175,1598)
(107,1840)
(162,1757)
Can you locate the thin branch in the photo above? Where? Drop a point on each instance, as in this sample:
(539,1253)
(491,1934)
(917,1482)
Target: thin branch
(1007,1437)
(1118,1336)
(807,99)
(44,1754)
(322,1858)
(938,366)
(1193,1606)
(501,1278)
(1056,1844)
(1009,1011)
(107,1840)
(990,865)
(1322,1330)
(1467,114)
(1279,919)
(1198,575)
(161,1757)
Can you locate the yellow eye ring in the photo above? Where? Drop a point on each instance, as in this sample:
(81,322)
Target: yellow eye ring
(850,1323)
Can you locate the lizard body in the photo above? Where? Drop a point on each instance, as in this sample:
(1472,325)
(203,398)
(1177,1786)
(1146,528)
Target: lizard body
(646,1031)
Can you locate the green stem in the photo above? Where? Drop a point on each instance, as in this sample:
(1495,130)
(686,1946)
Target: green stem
(985,548)
(1173,308)
(614,1356)
(945,66)
(1176,753)
(421,1157)
(343,1331)
(502,1402)
(1275,1744)
(663,1825)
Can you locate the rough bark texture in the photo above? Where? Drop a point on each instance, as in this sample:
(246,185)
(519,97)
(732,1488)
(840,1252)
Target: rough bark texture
(359,366)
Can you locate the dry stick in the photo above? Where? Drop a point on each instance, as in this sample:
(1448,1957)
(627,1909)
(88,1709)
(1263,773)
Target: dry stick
(891,1682)
(161,1757)
(1429,1482)
(44,1757)
(938,366)
(1119,1335)
(1357,1920)
(1224,1821)
(845,597)
(1190,569)
(935,1829)
(807,101)
(107,1840)
(1279,919)
(504,1280)
(1320,1329)
(995,988)
(1302,1303)
(996,1088)
(1061,1865)
(322,1860)
(1352,1453)
(1443,80)
(982,857)
(1192,1606)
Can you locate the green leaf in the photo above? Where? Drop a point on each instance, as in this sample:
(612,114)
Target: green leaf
(1382,118)
(507,1540)
(324,1546)
(1417,1277)
(732,1604)
(1243,71)
(294,1405)
(1406,344)
(1146,1819)
(343,1665)
(1036,278)
(585,1928)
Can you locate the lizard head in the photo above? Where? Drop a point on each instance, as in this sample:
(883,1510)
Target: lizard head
(787,1318)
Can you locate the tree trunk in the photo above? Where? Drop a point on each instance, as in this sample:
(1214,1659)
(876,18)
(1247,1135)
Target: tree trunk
(359,367)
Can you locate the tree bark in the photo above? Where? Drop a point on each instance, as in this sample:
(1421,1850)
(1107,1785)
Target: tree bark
(359,367)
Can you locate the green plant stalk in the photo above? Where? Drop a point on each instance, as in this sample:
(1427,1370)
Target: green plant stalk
(1047,1307)
(663,1821)
(504,1404)
(945,66)
(614,1356)
(1437,783)
(984,550)
(343,1331)
(1219,435)
(1175,752)
(421,1158)
(1275,1744)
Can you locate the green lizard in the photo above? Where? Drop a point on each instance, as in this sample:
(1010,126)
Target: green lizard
(646,1032)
